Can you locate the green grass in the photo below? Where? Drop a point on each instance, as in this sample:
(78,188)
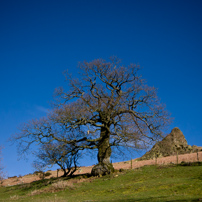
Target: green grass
(149,183)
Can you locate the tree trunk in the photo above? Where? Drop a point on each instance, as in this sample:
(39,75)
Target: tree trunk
(104,149)
(104,152)
(65,172)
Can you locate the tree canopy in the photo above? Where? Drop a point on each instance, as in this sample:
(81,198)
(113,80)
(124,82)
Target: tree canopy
(107,105)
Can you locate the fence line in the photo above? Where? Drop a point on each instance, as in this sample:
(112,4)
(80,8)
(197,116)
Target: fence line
(193,157)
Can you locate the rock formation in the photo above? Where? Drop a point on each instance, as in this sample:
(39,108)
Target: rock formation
(170,145)
(102,169)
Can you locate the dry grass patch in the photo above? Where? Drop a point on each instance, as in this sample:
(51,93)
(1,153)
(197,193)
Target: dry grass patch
(61,185)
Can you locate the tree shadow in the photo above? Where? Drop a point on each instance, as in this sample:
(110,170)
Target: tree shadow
(162,199)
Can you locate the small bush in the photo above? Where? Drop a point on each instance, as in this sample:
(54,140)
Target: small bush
(47,174)
(37,172)
(12,177)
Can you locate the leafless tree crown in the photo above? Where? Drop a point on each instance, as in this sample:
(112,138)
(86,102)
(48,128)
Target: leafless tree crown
(107,105)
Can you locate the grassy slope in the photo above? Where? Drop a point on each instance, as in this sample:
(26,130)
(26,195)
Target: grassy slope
(150,183)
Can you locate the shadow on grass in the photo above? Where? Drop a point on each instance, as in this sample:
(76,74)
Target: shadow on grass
(198,163)
(38,184)
(153,199)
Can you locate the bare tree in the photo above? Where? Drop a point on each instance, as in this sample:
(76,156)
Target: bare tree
(108,105)
(60,154)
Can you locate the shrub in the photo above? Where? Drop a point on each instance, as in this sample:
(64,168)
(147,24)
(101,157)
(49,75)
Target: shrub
(37,172)
(12,177)
(47,174)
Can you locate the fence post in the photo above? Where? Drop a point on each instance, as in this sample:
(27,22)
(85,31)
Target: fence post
(156,156)
(178,148)
(57,172)
(197,156)
(177,157)
(131,164)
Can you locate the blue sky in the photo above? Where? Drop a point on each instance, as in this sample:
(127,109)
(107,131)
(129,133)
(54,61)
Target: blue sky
(41,39)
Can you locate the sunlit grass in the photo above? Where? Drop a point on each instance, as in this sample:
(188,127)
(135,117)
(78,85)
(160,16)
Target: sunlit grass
(150,183)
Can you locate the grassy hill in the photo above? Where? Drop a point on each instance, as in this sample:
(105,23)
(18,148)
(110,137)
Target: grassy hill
(149,183)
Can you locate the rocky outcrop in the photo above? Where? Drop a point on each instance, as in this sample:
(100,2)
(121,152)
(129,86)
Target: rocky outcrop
(170,145)
(102,169)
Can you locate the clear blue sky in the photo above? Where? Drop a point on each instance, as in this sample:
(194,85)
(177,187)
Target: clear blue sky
(40,39)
